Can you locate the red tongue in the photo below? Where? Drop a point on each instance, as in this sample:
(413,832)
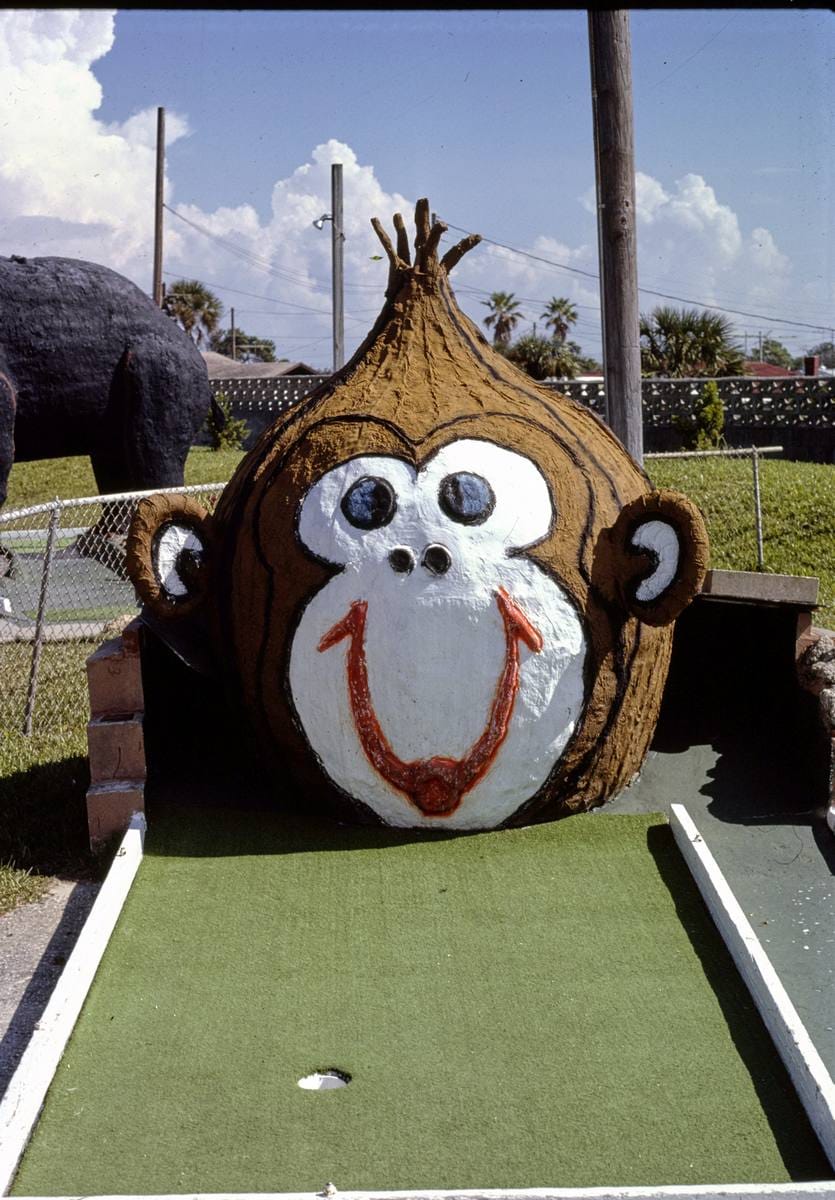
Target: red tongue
(434,785)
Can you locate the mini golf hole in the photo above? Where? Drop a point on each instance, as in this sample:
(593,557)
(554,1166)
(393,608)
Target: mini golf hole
(325,1080)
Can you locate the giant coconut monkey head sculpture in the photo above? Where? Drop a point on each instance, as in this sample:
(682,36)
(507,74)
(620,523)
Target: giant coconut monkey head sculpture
(445,594)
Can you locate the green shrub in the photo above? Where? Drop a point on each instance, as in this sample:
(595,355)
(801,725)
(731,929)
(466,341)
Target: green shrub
(225,431)
(704,428)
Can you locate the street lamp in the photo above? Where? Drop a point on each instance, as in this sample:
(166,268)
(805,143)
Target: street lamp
(338,237)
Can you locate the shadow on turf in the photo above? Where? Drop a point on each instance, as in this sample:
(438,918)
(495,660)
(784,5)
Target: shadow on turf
(733,686)
(210,793)
(802,1154)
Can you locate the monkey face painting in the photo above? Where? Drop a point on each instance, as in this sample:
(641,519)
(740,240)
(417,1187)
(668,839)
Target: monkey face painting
(444,595)
(433,576)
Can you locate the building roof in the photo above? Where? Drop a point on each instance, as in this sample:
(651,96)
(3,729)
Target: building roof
(220,366)
(764,370)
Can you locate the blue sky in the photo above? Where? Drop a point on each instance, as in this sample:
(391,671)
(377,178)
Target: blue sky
(485,112)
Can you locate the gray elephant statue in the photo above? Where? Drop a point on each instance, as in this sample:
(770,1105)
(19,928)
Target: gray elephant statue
(90,365)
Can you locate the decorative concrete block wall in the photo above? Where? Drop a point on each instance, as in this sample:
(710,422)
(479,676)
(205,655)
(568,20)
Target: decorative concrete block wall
(797,412)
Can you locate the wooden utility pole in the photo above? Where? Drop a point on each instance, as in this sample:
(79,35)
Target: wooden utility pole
(160,180)
(611,82)
(337,263)
(232,322)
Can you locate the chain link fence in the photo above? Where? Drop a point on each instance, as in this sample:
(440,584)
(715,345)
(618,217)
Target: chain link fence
(63,586)
(63,590)
(727,486)
(763,512)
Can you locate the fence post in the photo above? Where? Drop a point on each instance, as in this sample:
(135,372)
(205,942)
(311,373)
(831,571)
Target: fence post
(758,516)
(39,624)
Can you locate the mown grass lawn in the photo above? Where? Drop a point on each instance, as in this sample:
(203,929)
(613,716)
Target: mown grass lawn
(43,778)
(39,482)
(798,507)
(798,503)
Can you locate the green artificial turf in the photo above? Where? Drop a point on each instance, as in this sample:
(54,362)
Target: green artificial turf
(542,1007)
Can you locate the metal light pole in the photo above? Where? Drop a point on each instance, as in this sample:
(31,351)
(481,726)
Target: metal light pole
(160,180)
(337,244)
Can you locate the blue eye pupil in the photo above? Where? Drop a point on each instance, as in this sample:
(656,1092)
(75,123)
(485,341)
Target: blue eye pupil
(466,498)
(369,503)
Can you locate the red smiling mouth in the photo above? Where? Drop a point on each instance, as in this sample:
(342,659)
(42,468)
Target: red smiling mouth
(434,785)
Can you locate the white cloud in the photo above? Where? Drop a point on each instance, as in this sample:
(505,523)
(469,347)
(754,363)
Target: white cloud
(60,166)
(766,269)
(691,244)
(37,37)
(71,184)
(650,197)
(689,220)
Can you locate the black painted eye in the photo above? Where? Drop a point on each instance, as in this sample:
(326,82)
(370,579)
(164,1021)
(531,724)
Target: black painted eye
(466,498)
(369,503)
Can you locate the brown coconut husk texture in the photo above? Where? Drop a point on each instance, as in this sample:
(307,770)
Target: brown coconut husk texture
(425,376)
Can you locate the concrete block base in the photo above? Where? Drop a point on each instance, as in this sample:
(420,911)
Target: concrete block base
(114,675)
(110,807)
(117,748)
(115,737)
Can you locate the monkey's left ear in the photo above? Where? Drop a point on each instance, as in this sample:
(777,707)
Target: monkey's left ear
(168,554)
(658,553)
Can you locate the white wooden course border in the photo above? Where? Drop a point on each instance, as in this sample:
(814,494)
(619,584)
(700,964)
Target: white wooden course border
(23,1101)
(812,1081)
(742,1191)
(24,1097)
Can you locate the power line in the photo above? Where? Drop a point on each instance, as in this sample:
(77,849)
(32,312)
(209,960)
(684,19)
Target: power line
(292,308)
(466,289)
(526,254)
(257,312)
(256,260)
(265,265)
(827,324)
(703,46)
(252,295)
(234,248)
(648,291)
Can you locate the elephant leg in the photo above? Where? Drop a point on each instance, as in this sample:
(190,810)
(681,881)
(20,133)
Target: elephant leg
(8,406)
(112,456)
(112,470)
(161,417)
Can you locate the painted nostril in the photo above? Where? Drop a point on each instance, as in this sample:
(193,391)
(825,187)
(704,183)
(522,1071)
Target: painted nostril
(437,559)
(401,560)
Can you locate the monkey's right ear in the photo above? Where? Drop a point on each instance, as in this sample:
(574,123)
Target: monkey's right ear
(168,554)
(653,559)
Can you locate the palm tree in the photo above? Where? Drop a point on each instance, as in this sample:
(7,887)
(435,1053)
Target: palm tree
(542,358)
(503,316)
(560,315)
(687,343)
(194,307)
